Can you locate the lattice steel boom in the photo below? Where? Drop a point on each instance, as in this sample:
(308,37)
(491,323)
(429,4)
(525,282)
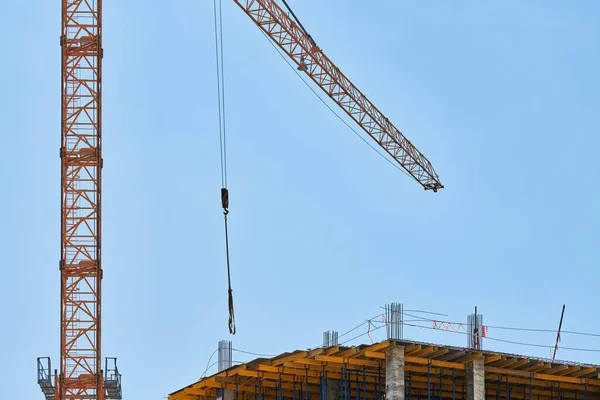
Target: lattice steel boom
(299,46)
(80,375)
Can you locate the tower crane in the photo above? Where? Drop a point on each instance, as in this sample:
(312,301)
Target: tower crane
(80,374)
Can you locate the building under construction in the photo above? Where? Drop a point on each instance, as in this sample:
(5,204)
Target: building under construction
(398,370)
(394,369)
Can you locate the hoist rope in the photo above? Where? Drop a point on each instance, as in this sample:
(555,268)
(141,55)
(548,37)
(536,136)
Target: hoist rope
(225,202)
(220,89)
(218,14)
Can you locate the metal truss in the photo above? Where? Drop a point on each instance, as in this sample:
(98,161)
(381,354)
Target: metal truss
(300,47)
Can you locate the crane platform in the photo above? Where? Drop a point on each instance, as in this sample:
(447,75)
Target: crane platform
(45,377)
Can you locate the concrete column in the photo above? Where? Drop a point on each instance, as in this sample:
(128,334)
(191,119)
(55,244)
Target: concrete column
(394,374)
(333,389)
(475,380)
(226,394)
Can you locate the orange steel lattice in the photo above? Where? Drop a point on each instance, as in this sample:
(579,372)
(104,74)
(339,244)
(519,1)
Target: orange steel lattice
(300,47)
(81,164)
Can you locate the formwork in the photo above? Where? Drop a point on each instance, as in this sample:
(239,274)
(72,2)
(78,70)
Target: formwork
(430,372)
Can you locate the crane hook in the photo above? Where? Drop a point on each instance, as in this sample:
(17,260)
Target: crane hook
(225,200)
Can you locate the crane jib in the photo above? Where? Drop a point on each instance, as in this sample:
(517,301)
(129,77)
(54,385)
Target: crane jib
(295,42)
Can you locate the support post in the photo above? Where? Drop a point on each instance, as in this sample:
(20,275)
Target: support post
(394,374)
(475,380)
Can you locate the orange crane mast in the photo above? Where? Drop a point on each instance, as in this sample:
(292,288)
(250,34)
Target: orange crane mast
(80,374)
(301,48)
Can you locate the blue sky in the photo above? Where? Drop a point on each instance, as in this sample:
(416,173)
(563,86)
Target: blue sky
(502,97)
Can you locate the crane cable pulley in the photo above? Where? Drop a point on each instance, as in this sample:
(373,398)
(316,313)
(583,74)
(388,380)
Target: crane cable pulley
(223,148)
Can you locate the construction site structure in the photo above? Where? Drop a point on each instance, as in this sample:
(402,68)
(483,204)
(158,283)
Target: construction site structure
(80,374)
(398,370)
